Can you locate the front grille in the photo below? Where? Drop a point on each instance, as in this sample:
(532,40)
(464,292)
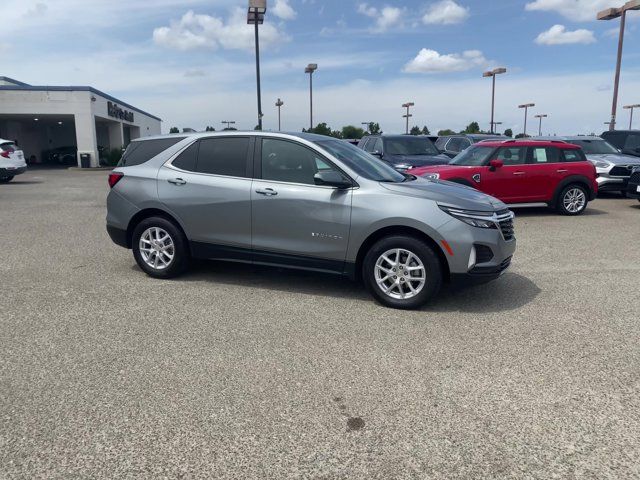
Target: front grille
(620,171)
(505,220)
(635,178)
(484,254)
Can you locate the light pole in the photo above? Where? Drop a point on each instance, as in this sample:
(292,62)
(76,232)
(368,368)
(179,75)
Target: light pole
(631,107)
(492,74)
(255,17)
(541,116)
(526,109)
(312,67)
(228,123)
(279,103)
(610,14)
(407,105)
(495,124)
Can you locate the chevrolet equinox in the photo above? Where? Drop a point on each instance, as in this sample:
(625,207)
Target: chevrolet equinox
(303,201)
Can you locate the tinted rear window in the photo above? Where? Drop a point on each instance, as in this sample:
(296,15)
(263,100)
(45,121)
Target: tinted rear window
(187,159)
(223,156)
(139,152)
(8,146)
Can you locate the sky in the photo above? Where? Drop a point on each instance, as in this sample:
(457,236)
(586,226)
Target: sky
(192,62)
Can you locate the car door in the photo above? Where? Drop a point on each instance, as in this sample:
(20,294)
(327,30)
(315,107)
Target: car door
(543,173)
(295,221)
(208,188)
(508,183)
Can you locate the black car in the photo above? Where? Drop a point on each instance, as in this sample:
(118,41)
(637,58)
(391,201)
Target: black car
(452,145)
(633,187)
(403,152)
(62,155)
(627,141)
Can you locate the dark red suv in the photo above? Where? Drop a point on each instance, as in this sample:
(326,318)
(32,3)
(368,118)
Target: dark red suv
(524,173)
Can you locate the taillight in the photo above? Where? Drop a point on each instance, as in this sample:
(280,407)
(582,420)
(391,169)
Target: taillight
(4,154)
(114,177)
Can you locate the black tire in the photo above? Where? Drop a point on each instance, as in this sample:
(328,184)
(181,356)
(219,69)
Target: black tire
(181,255)
(420,249)
(6,179)
(563,209)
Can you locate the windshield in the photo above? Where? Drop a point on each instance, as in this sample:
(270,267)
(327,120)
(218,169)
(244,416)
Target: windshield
(595,147)
(472,156)
(361,162)
(409,146)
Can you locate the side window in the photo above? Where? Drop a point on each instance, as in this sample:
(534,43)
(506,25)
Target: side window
(632,142)
(573,156)
(441,142)
(377,147)
(512,155)
(284,161)
(141,151)
(187,159)
(454,145)
(223,156)
(368,146)
(464,143)
(545,155)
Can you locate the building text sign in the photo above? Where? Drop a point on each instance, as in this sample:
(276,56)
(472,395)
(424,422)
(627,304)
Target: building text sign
(116,112)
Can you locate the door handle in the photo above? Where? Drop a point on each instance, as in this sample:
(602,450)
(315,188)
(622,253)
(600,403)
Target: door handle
(177,181)
(562,171)
(269,192)
(518,173)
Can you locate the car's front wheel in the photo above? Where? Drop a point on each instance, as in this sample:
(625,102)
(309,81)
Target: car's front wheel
(402,272)
(160,248)
(6,179)
(572,200)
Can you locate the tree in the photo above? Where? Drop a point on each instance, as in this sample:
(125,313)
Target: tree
(209,129)
(349,131)
(229,129)
(444,133)
(257,127)
(415,130)
(473,127)
(508,132)
(374,128)
(425,131)
(321,129)
(522,135)
(174,130)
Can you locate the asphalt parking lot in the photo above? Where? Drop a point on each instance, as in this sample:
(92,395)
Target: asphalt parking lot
(235,371)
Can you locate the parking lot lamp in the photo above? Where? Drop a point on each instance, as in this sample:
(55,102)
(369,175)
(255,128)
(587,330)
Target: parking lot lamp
(312,67)
(407,105)
(494,124)
(630,108)
(610,14)
(540,117)
(492,74)
(255,17)
(526,107)
(228,123)
(279,103)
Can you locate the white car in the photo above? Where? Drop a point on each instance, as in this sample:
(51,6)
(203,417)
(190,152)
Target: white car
(11,161)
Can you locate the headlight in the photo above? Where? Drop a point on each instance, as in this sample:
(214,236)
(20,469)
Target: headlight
(603,165)
(472,217)
(431,176)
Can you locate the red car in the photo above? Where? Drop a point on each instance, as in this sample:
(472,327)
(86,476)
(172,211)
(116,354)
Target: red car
(524,173)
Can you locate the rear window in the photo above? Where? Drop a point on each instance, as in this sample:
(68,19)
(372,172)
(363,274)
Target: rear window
(8,146)
(139,152)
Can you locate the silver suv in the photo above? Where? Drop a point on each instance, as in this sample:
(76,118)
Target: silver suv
(303,201)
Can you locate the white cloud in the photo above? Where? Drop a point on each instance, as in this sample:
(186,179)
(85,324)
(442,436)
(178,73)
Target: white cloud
(283,10)
(559,35)
(386,17)
(577,10)
(446,12)
(195,31)
(430,61)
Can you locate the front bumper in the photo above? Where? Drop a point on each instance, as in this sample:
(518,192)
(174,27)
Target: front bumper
(633,189)
(12,171)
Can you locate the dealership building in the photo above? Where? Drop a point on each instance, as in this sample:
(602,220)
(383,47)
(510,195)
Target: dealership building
(45,118)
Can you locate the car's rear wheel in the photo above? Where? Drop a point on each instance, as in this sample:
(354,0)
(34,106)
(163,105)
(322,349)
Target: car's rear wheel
(6,179)
(402,272)
(572,200)
(160,248)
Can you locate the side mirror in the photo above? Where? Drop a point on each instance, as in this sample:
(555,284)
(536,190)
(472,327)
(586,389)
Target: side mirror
(495,164)
(331,178)
(377,153)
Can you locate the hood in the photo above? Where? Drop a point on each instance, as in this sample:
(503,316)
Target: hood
(447,193)
(615,158)
(418,160)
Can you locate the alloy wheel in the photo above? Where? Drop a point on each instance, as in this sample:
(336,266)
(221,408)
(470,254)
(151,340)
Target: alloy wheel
(156,248)
(400,274)
(574,200)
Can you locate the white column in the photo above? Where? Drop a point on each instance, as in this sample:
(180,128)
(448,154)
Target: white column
(116,135)
(86,136)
